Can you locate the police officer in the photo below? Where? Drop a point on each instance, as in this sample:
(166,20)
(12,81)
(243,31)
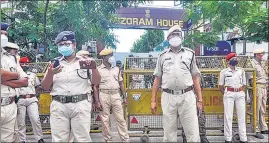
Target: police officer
(201,121)
(11,77)
(261,126)
(70,90)
(28,102)
(110,97)
(177,72)
(232,85)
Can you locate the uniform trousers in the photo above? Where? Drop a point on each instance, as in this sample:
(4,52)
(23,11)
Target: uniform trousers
(114,102)
(67,116)
(8,119)
(261,109)
(30,105)
(229,99)
(183,105)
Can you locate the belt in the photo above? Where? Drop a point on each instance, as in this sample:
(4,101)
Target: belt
(234,89)
(263,85)
(176,92)
(70,99)
(27,96)
(109,91)
(7,100)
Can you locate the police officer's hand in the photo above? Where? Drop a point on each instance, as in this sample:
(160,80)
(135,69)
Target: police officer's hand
(200,106)
(98,106)
(153,107)
(54,70)
(125,101)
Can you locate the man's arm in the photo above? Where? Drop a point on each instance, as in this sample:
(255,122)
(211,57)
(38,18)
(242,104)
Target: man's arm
(96,77)
(47,81)
(196,80)
(23,82)
(7,75)
(155,88)
(95,94)
(221,82)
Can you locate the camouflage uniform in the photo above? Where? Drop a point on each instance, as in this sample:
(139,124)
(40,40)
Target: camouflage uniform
(201,121)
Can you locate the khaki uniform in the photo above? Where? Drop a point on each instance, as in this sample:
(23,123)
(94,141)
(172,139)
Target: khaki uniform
(261,95)
(8,111)
(110,99)
(70,84)
(29,104)
(176,71)
(236,80)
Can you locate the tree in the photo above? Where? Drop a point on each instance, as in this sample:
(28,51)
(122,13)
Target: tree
(224,15)
(149,40)
(37,23)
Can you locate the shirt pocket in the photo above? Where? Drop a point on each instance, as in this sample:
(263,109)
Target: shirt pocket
(185,65)
(228,79)
(167,66)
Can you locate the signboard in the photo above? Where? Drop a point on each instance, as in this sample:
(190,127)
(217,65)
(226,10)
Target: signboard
(222,48)
(150,18)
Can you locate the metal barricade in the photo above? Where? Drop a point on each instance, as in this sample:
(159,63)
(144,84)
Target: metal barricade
(138,80)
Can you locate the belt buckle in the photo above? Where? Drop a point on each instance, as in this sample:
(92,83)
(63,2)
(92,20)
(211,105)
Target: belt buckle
(28,96)
(236,89)
(177,92)
(62,99)
(5,101)
(75,99)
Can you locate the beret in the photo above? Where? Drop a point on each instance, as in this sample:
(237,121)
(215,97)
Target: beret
(65,36)
(24,60)
(4,26)
(12,45)
(83,52)
(174,28)
(229,56)
(105,52)
(258,51)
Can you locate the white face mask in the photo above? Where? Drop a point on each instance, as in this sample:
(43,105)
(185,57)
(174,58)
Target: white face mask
(4,40)
(264,57)
(112,61)
(175,41)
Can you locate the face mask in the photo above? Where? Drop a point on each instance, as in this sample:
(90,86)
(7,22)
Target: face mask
(175,41)
(233,62)
(4,40)
(112,61)
(25,68)
(66,50)
(264,58)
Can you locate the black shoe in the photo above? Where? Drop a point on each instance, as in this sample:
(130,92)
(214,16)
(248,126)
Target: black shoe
(204,140)
(228,141)
(265,132)
(259,136)
(243,142)
(184,140)
(41,141)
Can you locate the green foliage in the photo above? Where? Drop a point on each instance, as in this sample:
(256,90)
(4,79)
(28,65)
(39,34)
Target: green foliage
(249,16)
(149,40)
(34,24)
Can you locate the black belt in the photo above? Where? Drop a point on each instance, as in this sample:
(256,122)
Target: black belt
(178,91)
(70,99)
(7,100)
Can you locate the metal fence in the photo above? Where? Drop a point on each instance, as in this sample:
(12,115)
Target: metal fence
(138,80)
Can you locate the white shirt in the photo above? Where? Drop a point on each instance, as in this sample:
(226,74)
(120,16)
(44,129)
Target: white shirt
(8,63)
(232,79)
(33,81)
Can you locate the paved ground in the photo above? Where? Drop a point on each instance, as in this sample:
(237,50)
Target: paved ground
(97,137)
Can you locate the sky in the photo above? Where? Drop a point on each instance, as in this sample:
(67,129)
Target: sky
(127,37)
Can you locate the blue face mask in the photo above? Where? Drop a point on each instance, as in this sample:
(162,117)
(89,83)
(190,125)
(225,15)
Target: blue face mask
(66,50)
(233,62)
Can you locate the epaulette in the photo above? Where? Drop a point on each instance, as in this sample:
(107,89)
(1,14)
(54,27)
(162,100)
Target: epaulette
(163,52)
(188,49)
